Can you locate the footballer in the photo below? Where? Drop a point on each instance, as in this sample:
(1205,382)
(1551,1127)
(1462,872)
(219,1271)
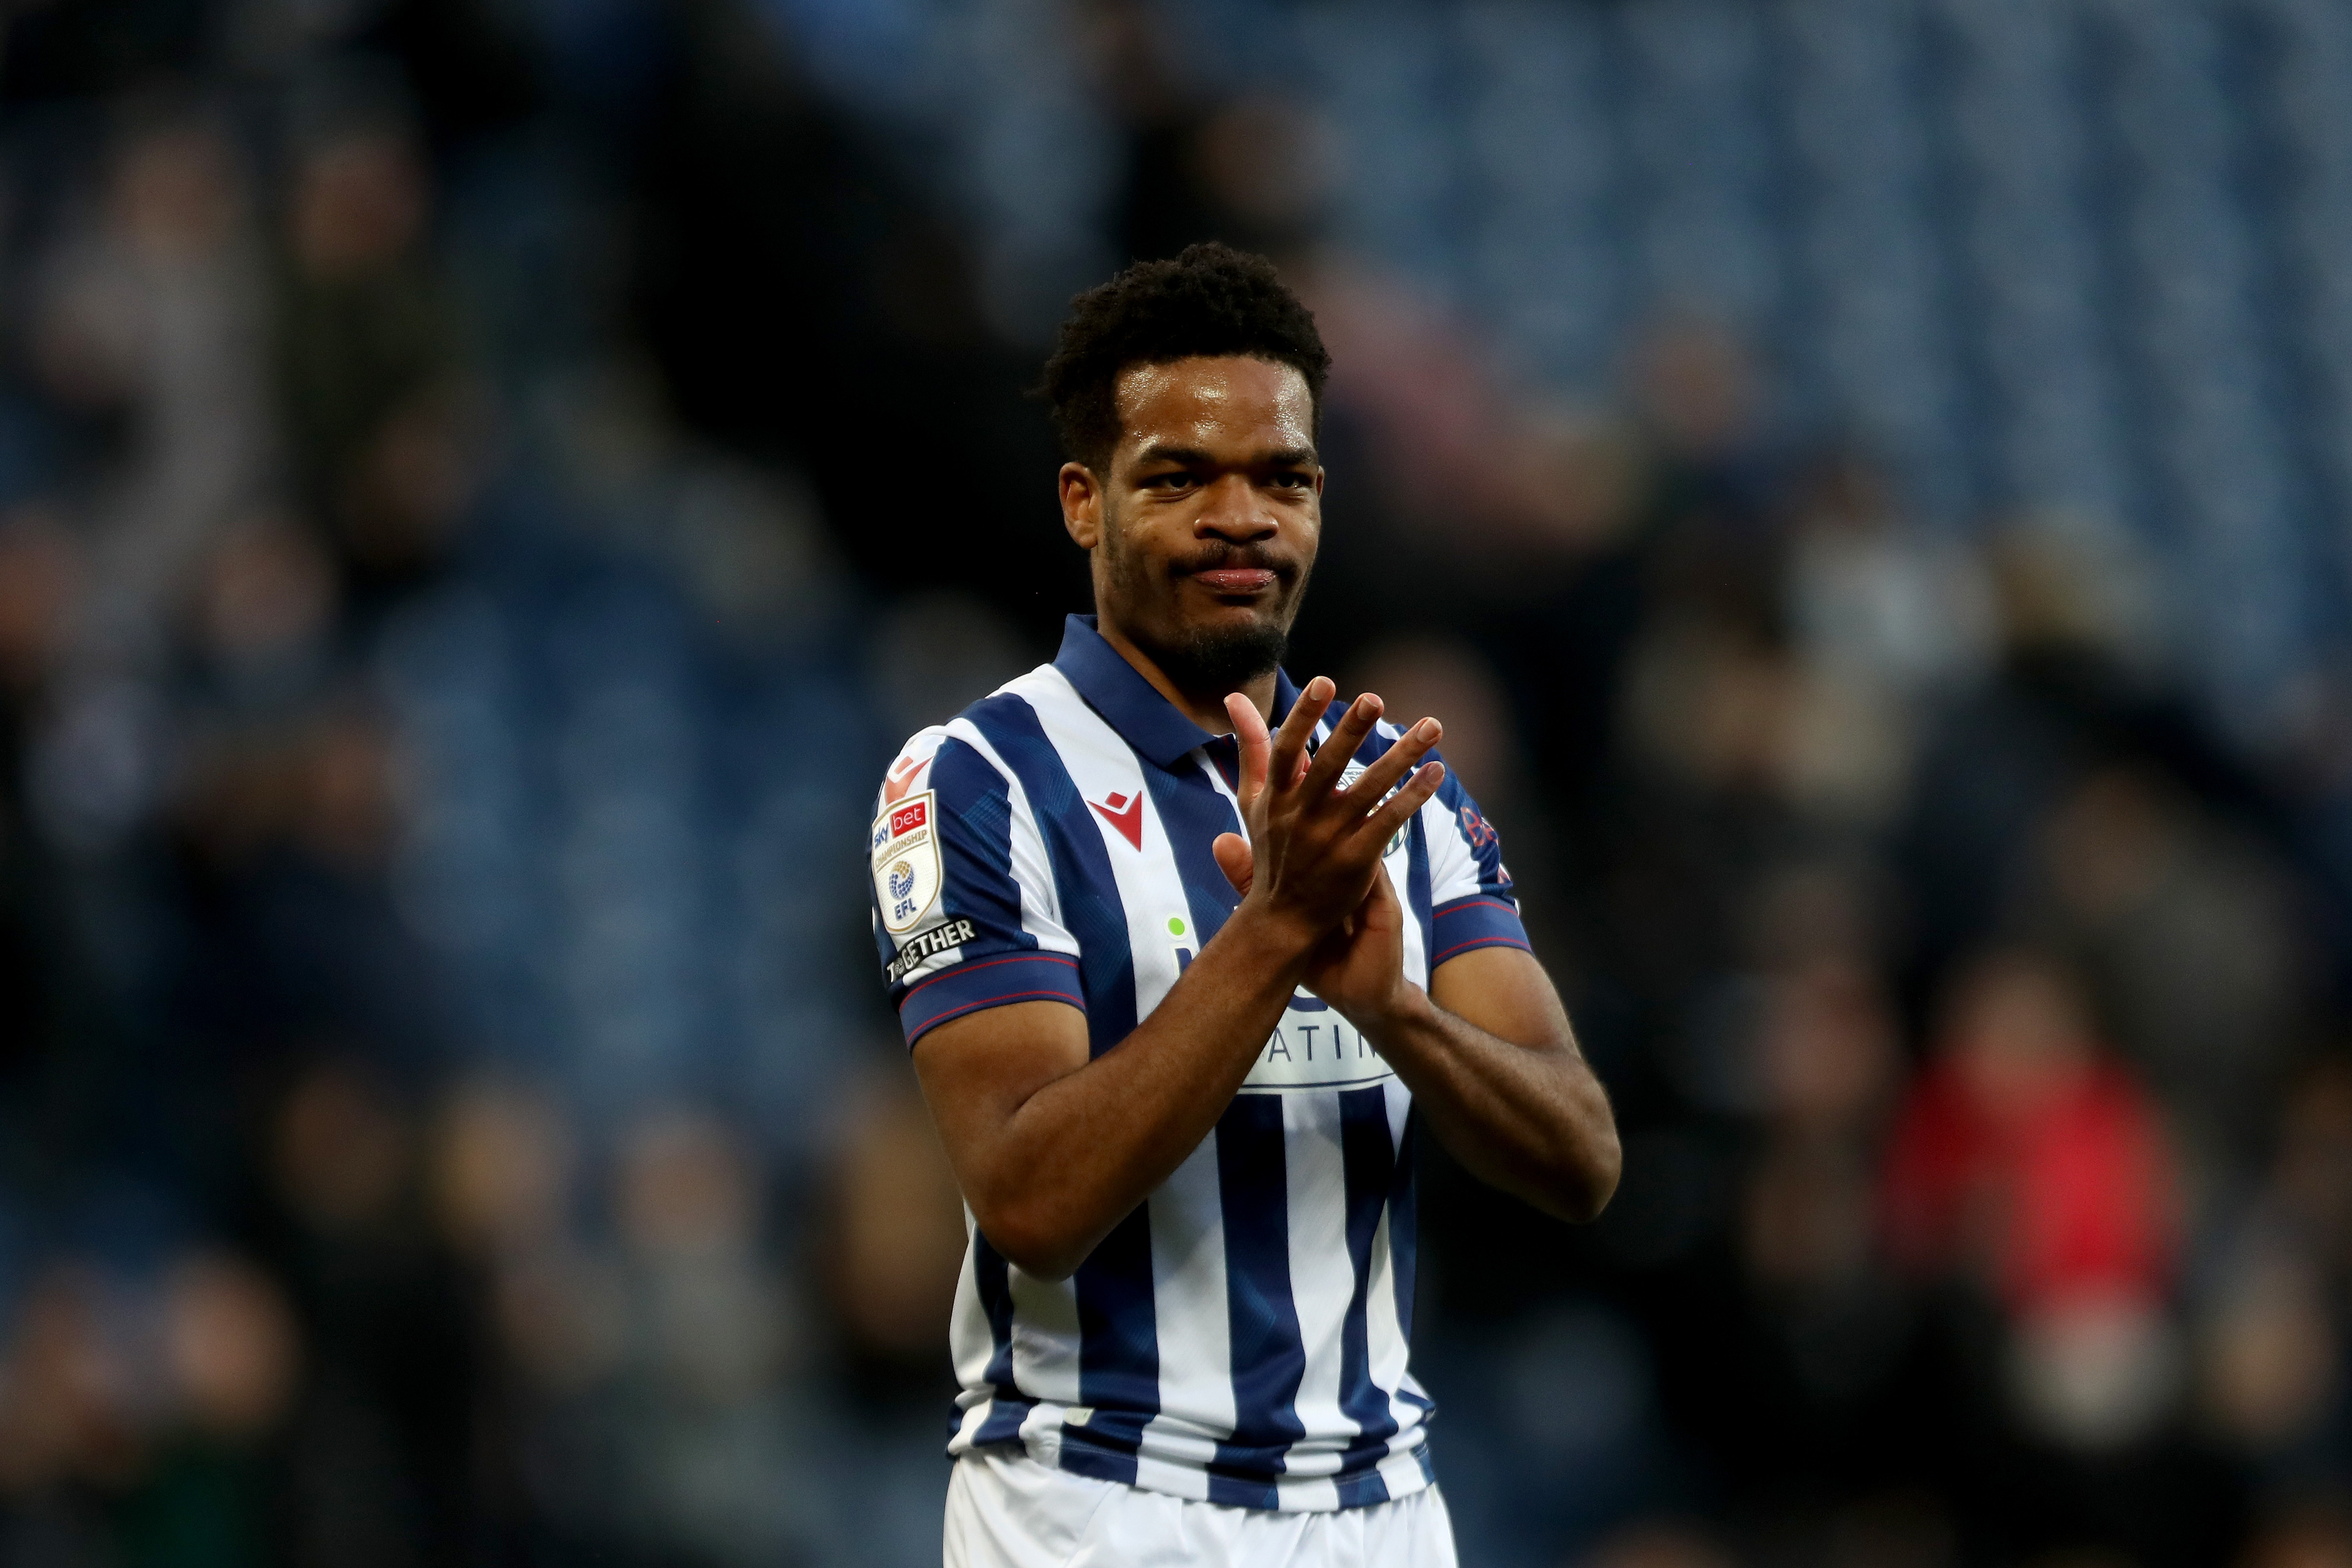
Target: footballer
(1188,957)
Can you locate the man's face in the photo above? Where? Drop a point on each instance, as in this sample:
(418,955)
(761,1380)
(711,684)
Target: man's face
(1206,525)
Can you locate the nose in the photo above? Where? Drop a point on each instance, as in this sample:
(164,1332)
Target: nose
(1234,511)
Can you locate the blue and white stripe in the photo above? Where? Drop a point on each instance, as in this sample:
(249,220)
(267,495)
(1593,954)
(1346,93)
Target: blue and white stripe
(1243,1337)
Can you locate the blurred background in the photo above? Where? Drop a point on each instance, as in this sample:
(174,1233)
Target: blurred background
(484,485)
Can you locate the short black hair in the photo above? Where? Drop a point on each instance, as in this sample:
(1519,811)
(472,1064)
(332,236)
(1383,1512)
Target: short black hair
(1210,300)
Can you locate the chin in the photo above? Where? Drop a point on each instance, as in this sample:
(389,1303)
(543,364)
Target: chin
(1225,651)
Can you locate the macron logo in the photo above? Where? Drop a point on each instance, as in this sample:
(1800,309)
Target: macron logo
(1125,813)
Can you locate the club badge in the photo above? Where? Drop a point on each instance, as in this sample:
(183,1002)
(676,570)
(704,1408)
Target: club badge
(1355,770)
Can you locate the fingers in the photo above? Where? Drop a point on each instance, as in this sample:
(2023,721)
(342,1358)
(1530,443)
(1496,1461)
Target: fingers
(1400,806)
(1382,776)
(1254,743)
(1235,859)
(1331,758)
(1290,744)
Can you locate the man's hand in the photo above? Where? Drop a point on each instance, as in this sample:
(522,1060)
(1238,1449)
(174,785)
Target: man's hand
(1358,969)
(1053,1146)
(1311,864)
(1487,1050)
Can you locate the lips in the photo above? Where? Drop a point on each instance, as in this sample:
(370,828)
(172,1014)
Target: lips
(1235,579)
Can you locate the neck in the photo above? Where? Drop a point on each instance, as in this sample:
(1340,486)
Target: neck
(1206,710)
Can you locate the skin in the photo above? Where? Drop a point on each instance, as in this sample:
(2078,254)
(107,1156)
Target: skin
(1208,515)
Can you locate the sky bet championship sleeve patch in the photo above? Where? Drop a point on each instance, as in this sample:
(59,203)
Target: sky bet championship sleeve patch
(906,847)
(929,945)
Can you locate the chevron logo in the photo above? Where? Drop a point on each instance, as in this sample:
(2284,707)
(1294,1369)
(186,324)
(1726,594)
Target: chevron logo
(1124,812)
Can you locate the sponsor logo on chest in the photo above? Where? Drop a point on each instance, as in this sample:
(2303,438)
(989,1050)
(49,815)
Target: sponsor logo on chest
(1313,1048)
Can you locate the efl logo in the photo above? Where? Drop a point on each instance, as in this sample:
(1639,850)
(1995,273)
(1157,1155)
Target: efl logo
(905,862)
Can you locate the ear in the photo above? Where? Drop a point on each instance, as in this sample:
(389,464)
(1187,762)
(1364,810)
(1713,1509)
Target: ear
(1082,505)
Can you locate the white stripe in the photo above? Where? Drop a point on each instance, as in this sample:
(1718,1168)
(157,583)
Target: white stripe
(1193,1312)
(1322,1275)
(971,1339)
(1044,1335)
(1186,1217)
(1385,1341)
(972,1344)
(1453,864)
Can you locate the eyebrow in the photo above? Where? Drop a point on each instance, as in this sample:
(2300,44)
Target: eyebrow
(1193,457)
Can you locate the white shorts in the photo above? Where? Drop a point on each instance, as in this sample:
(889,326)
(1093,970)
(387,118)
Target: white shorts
(1007,1510)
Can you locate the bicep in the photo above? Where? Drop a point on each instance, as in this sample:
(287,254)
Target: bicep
(1504,991)
(979,1069)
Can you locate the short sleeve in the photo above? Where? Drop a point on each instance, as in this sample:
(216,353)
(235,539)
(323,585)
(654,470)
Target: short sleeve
(965,916)
(1472,902)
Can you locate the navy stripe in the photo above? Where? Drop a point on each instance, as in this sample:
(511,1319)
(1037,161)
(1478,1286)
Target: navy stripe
(975,838)
(975,830)
(1008,1407)
(979,983)
(1118,1338)
(1118,1330)
(1269,1357)
(1194,812)
(1082,875)
(1368,1154)
(1481,920)
(1416,882)
(1082,1455)
(1404,1238)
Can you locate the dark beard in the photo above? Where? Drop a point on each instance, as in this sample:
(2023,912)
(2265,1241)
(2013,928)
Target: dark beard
(1211,661)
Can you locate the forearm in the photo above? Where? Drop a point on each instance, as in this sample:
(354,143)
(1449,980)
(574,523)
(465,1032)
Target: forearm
(1076,1156)
(1531,1118)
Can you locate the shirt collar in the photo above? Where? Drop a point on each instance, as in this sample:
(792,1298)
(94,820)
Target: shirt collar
(1117,690)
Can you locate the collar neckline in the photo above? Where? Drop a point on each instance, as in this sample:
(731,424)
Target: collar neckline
(1116,689)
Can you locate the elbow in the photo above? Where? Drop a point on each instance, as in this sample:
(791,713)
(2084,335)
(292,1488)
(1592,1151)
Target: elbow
(1585,1180)
(1031,1241)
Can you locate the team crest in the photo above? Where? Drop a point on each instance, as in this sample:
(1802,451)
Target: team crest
(904,848)
(1355,770)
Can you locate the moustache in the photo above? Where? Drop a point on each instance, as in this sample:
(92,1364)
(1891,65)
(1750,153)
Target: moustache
(1236,558)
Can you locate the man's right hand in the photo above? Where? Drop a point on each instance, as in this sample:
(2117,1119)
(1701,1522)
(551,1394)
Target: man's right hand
(1314,848)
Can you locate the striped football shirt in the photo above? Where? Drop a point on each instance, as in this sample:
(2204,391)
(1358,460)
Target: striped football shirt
(1242,1337)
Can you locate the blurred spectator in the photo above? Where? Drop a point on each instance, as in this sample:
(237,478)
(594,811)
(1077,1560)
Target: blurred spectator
(2273,1305)
(2188,932)
(68,1427)
(2029,1164)
(383,1445)
(232,1358)
(366,348)
(1878,601)
(1659,1545)
(899,1229)
(704,1433)
(148,321)
(2310,1537)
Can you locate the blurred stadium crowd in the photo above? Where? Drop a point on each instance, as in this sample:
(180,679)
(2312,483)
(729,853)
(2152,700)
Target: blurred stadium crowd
(483,486)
